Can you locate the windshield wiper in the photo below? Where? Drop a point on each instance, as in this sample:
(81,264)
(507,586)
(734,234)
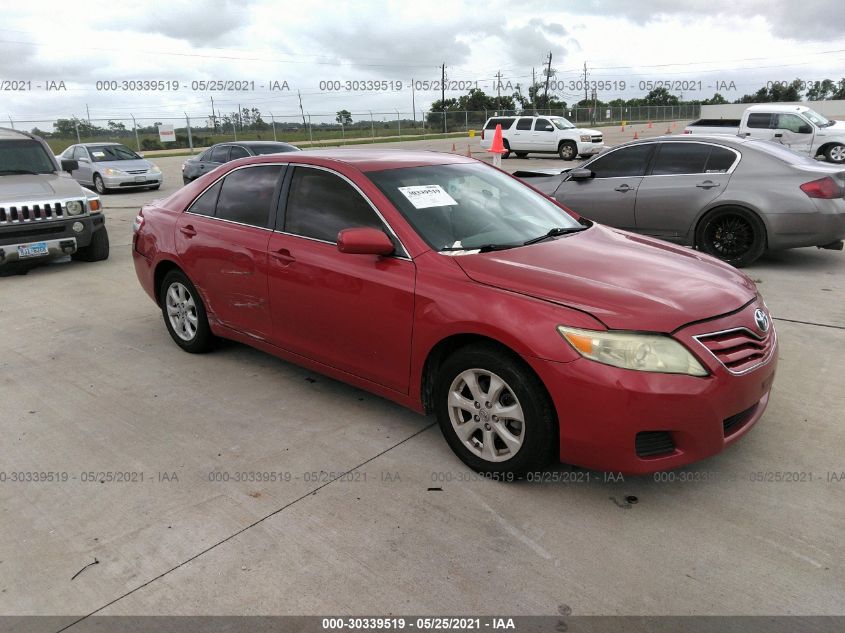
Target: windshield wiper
(484,248)
(19,171)
(555,232)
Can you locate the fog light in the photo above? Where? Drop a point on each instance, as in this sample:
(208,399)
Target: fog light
(78,227)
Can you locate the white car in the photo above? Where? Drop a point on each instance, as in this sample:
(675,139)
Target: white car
(525,135)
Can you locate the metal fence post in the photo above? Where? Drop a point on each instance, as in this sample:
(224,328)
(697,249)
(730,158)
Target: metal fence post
(135,129)
(234,129)
(273,119)
(310,129)
(372,127)
(190,138)
(76,126)
(11,122)
(399,122)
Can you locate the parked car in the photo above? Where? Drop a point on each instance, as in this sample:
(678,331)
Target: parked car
(110,166)
(44,213)
(732,198)
(448,286)
(221,153)
(525,135)
(797,127)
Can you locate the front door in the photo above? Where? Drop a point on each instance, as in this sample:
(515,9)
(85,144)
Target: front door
(794,131)
(544,138)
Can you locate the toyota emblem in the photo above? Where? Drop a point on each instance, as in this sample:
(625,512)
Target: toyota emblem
(762,320)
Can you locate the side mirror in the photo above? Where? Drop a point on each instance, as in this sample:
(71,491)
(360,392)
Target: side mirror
(69,165)
(581,174)
(364,241)
(805,129)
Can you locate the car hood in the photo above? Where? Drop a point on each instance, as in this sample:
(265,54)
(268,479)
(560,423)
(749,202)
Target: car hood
(628,282)
(583,130)
(31,188)
(125,165)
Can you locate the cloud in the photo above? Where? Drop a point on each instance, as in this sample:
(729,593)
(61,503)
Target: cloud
(529,44)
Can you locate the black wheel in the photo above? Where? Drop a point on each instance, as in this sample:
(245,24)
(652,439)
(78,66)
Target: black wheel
(184,313)
(521,154)
(507,152)
(99,185)
(835,154)
(97,250)
(734,235)
(154,187)
(494,412)
(567,150)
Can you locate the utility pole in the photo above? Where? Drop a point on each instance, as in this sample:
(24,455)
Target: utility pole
(413,105)
(498,89)
(443,93)
(213,117)
(533,95)
(301,110)
(585,81)
(89,116)
(548,77)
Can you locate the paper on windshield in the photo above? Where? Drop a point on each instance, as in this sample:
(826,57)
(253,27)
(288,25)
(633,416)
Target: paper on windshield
(98,154)
(425,196)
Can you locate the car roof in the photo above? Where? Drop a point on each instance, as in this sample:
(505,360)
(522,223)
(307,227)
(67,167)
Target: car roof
(98,144)
(8,133)
(367,159)
(719,139)
(772,107)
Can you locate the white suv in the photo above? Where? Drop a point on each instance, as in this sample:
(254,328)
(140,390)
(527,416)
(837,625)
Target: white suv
(542,135)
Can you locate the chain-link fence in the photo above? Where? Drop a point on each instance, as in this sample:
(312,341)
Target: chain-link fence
(197,131)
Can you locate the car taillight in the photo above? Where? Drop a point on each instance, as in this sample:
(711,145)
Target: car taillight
(687,131)
(138,223)
(822,188)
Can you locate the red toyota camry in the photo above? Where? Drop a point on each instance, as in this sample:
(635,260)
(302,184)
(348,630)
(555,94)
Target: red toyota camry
(450,287)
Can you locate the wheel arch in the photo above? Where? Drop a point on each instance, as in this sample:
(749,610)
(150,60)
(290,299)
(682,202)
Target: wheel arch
(721,205)
(823,148)
(162,268)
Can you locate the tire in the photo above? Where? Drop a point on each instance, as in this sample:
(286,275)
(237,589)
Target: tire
(507,152)
(567,150)
(99,185)
(97,250)
(835,154)
(521,154)
(154,187)
(733,234)
(184,313)
(532,442)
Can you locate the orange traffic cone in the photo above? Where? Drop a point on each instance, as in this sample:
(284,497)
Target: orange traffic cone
(469,152)
(649,124)
(453,148)
(636,136)
(497,147)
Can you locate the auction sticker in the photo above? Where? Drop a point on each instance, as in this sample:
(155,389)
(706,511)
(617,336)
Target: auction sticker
(425,196)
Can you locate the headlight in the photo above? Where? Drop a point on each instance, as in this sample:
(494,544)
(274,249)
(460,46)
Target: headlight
(74,207)
(630,350)
(112,171)
(586,138)
(154,169)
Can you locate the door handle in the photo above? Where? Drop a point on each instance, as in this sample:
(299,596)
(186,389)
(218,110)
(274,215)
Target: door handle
(707,184)
(187,230)
(624,188)
(283,256)
(779,135)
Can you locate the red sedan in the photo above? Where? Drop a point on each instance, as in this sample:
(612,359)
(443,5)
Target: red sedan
(451,287)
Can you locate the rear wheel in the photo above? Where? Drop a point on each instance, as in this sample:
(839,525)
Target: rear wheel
(97,250)
(184,313)
(734,235)
(494,412)
(507,152)
(567,150)
(521,154)
(835,154)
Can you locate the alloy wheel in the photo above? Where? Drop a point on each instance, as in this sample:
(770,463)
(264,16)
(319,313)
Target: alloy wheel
(182,311)
(731,236)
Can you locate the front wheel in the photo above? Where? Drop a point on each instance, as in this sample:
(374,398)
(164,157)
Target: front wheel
(835,154)
(567,150)
(99,185)
(97,250)
(154,187)
(494,412)
(184,313)
(734,235)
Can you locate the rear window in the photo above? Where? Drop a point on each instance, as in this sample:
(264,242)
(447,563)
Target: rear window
(680,158)
(720,160)
(492,123)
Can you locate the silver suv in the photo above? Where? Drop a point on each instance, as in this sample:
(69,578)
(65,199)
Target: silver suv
(44,212)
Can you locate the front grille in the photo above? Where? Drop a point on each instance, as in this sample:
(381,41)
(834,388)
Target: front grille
(652,443)
(137,171)
(736,422)
(740,349)
(15,214)
(597,139)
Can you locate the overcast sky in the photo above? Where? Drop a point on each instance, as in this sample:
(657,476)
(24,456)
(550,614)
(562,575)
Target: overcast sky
(307,42)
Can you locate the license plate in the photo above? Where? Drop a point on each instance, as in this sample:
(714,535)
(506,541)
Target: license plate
(36,249)
(140,178)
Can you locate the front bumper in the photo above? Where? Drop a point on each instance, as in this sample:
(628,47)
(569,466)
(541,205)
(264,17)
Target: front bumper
(590,149)
(133,180)
(602,409)
(58,235)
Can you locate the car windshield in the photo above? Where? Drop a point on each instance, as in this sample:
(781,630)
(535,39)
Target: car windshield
(470,206)
(103,153)
(562,124)
(782,152)
(24,157)
(271,149)
(817,118)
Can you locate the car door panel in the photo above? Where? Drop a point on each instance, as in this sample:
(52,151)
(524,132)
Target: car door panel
(520,135)
(787,132)
(543,137)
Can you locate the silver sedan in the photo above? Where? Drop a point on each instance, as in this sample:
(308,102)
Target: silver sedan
(110,166)
(730,197)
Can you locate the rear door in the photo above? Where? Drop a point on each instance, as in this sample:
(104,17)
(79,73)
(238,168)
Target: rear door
(685,177)
(222,241)
(544,137)
(610,196)
(216,157)
(793,131)
(351,312)
(520,135)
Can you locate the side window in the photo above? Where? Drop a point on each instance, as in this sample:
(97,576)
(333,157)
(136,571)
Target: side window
(246,195)
(759,120)
(524,124)
(205,156)
(542,125)
(206,203)
(790,122)
(321,204)
(238,152)
(68,153)
(79,153)
(492,123)
(626,162)
(220,154)
(680,158)
(720,160)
